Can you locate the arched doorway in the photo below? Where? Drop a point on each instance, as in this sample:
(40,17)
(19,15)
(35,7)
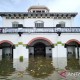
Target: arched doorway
(72,47)
(6,50)
(39,49)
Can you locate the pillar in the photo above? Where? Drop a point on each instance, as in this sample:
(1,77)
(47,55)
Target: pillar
(20,50)
(79,52)
(79,55)
(59,54)
(0,54)
(48,52)
(76,53)
(31,50)
(62,56)
(55,57)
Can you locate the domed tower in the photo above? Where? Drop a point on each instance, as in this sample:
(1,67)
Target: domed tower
(38,9)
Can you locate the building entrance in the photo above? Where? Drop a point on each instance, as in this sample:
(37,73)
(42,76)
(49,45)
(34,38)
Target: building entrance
(39,49)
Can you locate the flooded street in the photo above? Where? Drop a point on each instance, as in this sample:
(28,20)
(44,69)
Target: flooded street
(38,68)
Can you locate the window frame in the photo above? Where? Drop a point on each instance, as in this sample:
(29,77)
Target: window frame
(39,24)
(15,24)
(62,23)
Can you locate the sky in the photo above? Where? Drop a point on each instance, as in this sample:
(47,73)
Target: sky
(53,5)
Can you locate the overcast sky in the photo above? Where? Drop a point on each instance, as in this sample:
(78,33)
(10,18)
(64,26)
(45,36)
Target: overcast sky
(53,5)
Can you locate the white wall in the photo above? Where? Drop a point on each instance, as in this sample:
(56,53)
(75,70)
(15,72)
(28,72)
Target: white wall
(14,38)
(29,22)
(68,36)
(68,22)
(26,38)
(8,22)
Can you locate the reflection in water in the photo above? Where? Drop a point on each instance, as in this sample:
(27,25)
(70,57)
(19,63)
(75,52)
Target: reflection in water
(20,66)
(6,67)
(73,64)
(40,67)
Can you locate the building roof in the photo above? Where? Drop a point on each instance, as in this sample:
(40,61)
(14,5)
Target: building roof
(39,15)
(73,14)
(38,7)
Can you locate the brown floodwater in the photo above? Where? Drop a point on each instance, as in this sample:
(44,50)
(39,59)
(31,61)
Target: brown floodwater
(39,68)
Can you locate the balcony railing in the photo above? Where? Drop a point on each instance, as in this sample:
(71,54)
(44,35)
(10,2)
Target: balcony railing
(40,30)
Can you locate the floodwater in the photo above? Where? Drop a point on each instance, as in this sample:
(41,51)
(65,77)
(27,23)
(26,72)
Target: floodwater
(40,68)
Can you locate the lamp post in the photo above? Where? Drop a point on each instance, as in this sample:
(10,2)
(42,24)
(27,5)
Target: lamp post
(59,33)
(20,33)
(20,26)
(58,29)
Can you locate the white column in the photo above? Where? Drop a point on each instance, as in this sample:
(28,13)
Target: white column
(0,54)
(59,56)
(76,53)
(79,52)
(20,50)
(62,56)
(79,55)
(48,51)
(55,57)
(31,50)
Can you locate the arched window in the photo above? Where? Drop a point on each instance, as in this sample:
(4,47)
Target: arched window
(39,24)
(15,24)
(62,24)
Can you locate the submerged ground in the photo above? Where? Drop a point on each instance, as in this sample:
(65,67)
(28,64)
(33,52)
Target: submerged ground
(38,68)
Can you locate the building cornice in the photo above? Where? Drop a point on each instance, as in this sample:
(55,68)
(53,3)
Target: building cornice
(37,15)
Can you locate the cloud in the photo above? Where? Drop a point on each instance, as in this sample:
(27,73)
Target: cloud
(53,5)
(11,1)
(64,5)
(16,1)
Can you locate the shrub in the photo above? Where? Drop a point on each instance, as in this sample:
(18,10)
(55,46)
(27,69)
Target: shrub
(21,59)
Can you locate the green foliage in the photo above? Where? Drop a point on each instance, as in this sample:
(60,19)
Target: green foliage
(20,43)
(59,42)
(6,67)
(63,44)
(21,59)
(73,64)
(40,67)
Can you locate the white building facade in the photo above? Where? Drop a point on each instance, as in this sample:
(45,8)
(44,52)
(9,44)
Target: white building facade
(39,32)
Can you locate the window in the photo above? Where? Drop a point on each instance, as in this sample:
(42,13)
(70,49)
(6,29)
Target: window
(38,11)
(33,11)
(39,24)
(62,24)
(15,24)
(43,11)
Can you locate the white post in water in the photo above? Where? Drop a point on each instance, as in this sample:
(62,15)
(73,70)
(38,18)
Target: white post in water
(20,51)
(79,56)
(61,54)
(76,53)
(0,54)
(54,57)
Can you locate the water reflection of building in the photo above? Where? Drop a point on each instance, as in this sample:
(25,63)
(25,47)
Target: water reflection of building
(39,32)
(43,67)
(6,68)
